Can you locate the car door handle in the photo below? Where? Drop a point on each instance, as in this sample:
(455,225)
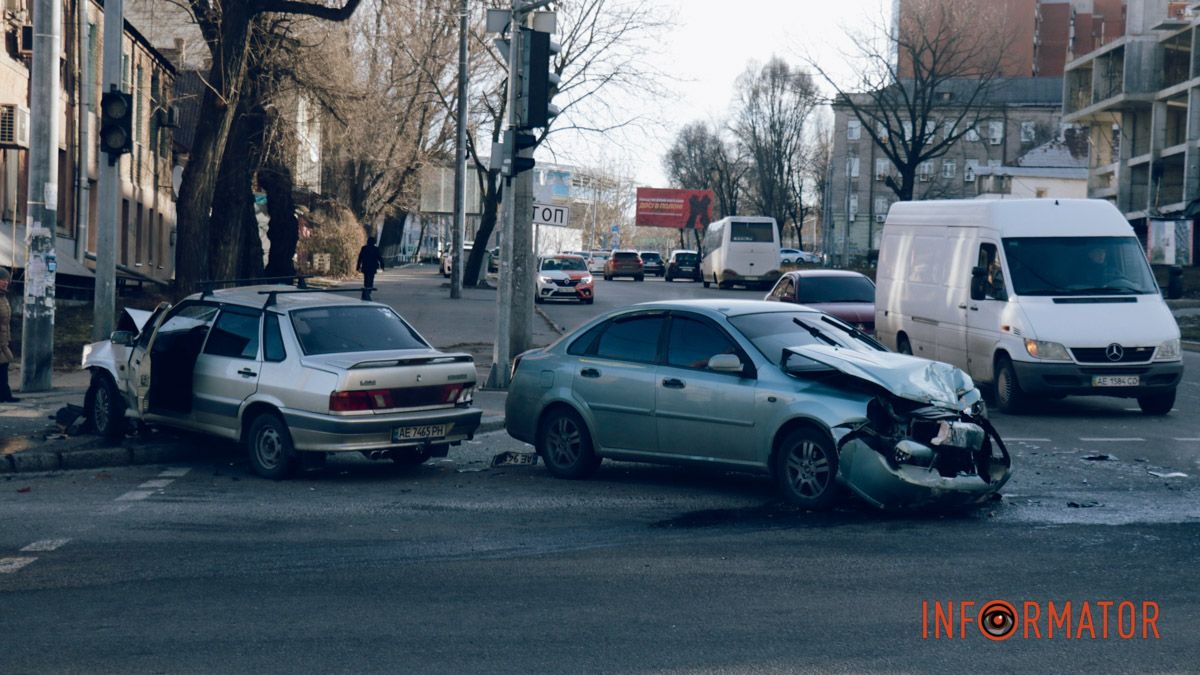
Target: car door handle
(974,308)
(962,306)
(246,372)
(673,383)
(589,372)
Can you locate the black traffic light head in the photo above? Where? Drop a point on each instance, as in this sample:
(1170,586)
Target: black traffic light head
(518,154)
(540,82)
(116,124)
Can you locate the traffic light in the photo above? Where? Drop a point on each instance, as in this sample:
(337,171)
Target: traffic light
(518,152)
(116,124)
(540,81)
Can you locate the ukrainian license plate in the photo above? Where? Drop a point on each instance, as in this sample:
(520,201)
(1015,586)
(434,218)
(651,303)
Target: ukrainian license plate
(1115,380)
(687,269)
(419,432)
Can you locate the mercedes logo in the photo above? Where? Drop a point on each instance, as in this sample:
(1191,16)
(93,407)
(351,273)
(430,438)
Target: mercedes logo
(1114,352)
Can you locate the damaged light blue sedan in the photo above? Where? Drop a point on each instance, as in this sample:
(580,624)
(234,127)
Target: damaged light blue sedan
(758,386)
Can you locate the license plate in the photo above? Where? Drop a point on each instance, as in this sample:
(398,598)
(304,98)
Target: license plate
(1115,380)
(419,432)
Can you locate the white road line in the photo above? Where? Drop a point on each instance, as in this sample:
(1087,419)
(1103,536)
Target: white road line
(1188,440)
(10,565)
(134,495)
(1111,440)
(156,484)
(44,545)
(175,473)
(1027,440)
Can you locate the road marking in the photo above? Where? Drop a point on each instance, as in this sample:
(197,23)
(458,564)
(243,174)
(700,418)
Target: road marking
(44,545)
(10,565)
(1111,440)
(134,495)
(1188,440)
(157,483)
(175,473)
(1028,440)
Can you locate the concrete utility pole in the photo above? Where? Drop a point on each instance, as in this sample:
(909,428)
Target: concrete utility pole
(460,159)
(502,352)
(109,206)
(37,332)
(86,98)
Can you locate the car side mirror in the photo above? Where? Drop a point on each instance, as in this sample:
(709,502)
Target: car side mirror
(725,363)
(122,337)
(978,283)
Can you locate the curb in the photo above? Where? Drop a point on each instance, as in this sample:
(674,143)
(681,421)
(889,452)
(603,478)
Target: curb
(553,326)
(1190,346)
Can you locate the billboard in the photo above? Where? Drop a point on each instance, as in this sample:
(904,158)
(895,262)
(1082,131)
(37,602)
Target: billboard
(680,209)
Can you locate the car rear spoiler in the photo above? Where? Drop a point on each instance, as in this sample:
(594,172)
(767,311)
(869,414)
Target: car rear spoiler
(414,361)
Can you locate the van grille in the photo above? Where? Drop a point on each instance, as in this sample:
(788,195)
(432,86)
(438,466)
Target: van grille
(1100,355)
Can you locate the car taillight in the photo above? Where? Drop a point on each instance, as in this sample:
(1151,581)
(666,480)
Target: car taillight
(385,399)
(349,401)
(467,396)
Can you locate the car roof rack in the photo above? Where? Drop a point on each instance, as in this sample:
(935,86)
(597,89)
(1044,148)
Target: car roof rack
(207,287)
(271,294)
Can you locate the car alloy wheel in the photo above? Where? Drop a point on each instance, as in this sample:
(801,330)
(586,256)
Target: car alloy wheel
(566,446)
(806,470)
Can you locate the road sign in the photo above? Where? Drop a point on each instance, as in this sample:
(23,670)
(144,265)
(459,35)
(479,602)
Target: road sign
(550,214)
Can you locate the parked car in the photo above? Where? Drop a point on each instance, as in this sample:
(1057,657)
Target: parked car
(624,264)
(683,264)
(596,261)
(790,256)
(652,263)
(763,387)
(447,265)
(493,263)
(291,374)
(564,276)
(849,296)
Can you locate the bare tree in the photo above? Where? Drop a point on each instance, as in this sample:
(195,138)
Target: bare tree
(772,108)
(927,84)
(226,27)
(701,159)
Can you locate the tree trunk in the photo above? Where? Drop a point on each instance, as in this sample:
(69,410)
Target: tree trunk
(232,196)
(391,236)
(474,272)
(283,230)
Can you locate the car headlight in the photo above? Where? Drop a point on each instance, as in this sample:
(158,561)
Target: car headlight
(543,280)
(585,280)
(1167,351)
(1049,351)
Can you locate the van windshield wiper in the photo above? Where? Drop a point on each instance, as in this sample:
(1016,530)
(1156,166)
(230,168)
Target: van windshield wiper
(816,332)
(1109,290)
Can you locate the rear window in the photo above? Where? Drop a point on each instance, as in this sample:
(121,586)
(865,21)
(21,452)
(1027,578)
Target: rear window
(652,256)
(625,255)
(686,258)
(752,232)
(340,330)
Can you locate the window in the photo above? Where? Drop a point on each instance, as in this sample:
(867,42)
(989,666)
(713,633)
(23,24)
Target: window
(235,334)
(971,169)
(784,289)
(583,344)
(907,127)
(994,281)
(692,343)
(925,170)
(852,167)
(882,131)
(881,206)
(752,232)
(882,168)
(972,134)
(853,130)
(853,206)
(818,289)
(949,168)
(633,339)
(273,339)
(995,132)
(1028,132)
(341,330)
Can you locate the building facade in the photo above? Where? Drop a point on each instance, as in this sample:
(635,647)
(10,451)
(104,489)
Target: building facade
(1139,96)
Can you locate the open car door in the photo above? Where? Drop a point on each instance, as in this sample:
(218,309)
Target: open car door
(139,359)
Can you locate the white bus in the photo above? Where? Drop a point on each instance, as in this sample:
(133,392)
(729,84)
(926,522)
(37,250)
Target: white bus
(741,250)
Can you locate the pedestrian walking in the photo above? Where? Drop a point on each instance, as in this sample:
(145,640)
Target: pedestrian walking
(6,355)
(370,260)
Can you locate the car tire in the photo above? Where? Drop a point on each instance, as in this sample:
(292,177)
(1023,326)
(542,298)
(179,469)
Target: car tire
(1009,397)
(806,468)
(410,456)
(269,444)
(1157,404)
(706,284)
(589,301)
(565,445)
(537,299)
(104,408)
(639,277)
(903,345)
(668,278)
(607,278)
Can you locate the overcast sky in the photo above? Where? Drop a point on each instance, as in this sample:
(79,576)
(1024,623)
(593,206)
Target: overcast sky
(711,46)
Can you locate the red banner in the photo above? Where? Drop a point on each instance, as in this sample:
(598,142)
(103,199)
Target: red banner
(680,209)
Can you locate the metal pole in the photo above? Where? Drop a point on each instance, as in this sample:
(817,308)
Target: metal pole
(37,332)
(109,207)
(460,159)
(84,108)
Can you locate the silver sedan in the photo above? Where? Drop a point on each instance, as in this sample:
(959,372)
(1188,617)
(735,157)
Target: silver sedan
(762,387)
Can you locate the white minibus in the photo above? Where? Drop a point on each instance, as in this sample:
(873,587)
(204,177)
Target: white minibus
(741,250)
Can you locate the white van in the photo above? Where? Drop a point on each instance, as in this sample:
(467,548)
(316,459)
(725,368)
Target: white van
(741,250)
(1038,297)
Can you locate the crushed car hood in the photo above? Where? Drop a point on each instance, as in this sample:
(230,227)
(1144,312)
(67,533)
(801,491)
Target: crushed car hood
(909,377)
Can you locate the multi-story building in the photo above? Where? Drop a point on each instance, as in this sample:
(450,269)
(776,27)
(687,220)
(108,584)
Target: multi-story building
(145,239)
(1139,95)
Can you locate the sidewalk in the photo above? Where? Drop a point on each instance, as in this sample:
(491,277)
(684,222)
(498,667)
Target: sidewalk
(28,435)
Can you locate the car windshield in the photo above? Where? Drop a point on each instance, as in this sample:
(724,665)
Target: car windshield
(651,257)
(754,232)
(772,332)
(1078,266)
(813,290)
(340,330)
(564,264)
(686,258)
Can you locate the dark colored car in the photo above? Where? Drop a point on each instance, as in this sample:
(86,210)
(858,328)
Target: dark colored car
(652,263)
(847,295)
(683,265)
(624,264)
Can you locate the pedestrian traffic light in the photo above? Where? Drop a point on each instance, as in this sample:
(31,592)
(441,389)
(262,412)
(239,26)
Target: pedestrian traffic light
(116,124)
(540,81)
(518,155)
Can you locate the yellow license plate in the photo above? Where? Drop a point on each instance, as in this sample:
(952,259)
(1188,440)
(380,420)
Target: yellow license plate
(417,433)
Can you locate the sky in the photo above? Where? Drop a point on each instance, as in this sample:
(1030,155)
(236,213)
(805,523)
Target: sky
(711,45)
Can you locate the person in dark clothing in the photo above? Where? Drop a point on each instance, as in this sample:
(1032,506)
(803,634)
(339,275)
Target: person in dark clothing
(6,355)
(370,260)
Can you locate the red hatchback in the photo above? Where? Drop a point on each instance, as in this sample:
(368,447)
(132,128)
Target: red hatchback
(849,296)
(624,264)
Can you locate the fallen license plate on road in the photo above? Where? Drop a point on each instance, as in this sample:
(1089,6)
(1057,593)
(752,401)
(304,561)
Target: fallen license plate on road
(514,458)
(1115,380)
(419,432)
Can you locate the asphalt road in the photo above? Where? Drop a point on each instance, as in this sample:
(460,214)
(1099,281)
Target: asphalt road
(457,566)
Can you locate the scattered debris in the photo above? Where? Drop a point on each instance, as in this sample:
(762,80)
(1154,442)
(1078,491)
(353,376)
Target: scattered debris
(1141,459)
(70,421)
(1164,474)
(1083,505)
(515,459)
(24,489)
(1100,458)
